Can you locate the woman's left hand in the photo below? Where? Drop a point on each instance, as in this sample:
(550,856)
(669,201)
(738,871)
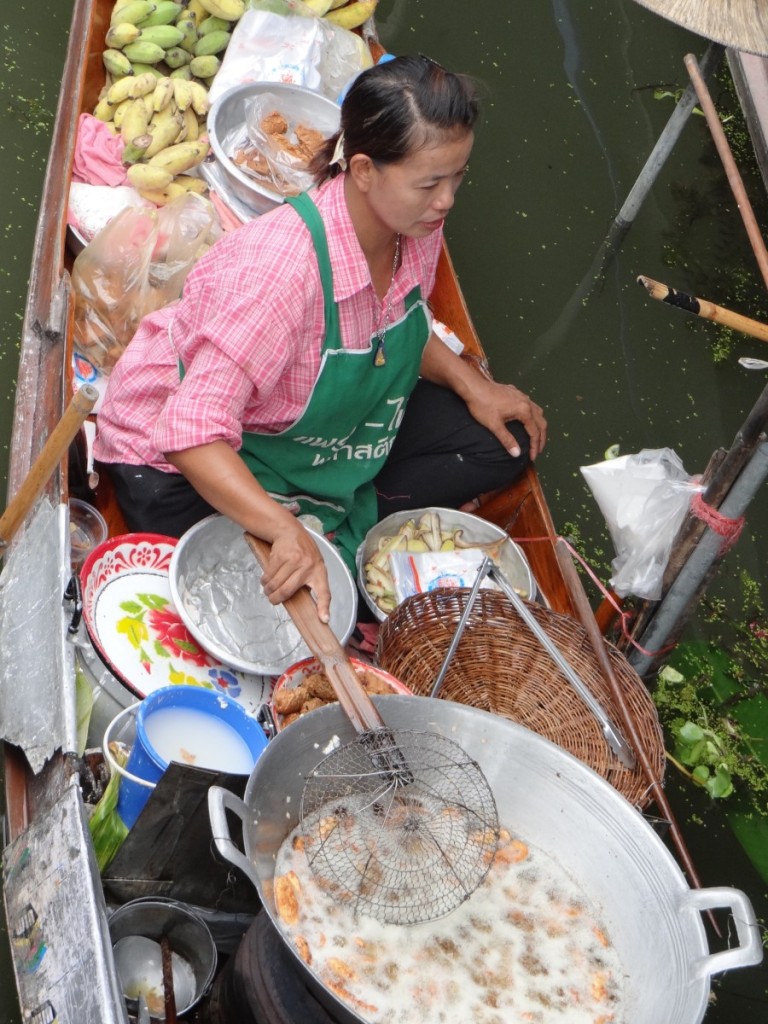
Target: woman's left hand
(494,405)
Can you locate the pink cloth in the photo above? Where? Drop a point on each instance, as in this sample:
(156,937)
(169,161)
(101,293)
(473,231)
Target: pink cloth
(98,153)
(249,330)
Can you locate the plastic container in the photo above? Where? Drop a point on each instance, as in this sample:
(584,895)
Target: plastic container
(205,728)
(87,529)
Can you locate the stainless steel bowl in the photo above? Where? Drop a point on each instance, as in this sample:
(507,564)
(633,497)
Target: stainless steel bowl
(227,116)
(215,583)
(511,558)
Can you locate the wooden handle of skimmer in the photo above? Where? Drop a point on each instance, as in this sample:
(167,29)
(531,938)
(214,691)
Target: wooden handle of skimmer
(323,643)
(51,454)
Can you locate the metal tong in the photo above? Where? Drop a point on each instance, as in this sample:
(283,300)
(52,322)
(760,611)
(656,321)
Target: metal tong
(613,737)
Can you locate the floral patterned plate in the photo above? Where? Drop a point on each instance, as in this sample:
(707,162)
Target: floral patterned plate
(134,625)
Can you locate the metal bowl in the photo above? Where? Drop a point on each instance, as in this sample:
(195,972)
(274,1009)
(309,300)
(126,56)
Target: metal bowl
(227,116)
(215,584)
(512,560)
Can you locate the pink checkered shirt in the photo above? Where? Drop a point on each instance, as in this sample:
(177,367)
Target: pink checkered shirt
(248,330)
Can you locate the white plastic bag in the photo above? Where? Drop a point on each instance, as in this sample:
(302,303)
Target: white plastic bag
(644,499)
(283,41)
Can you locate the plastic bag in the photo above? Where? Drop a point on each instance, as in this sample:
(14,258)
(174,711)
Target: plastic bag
(284,41)
(644,499)
(136,264)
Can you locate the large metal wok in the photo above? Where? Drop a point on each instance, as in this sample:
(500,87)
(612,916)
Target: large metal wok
(551,800)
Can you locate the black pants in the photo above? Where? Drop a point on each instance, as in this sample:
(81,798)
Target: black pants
(441,456)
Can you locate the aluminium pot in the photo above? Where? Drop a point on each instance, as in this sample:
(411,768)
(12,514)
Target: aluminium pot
(551,800)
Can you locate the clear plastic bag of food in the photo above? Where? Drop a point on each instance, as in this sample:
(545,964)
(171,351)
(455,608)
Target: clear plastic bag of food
(136,264)
(644,499)
(279,140)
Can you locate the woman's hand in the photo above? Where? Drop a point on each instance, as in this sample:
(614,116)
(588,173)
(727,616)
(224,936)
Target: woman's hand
(220,476)
(490,403)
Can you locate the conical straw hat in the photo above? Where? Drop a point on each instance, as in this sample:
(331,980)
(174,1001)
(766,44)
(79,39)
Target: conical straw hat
(741,24)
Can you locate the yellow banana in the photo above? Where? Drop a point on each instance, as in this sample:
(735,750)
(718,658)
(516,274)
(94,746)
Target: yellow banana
(192,125)
(320,7)
(164,127)
(195,7)
(182,93)
(121,34)
(133,12)
(104,110)
(205,67)
(160,197)
(336,3)
(145,176)
(135,120)
(353,15)
(191,184)
(163,94)
(181,157)
(117,63)
(149,105)
(200,101)
(227,10)
(166,13)
(143,84)
(120,112)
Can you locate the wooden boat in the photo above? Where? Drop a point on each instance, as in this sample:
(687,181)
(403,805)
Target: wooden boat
(56,909)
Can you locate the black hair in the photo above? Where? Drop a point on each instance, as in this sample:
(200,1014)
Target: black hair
(396,108)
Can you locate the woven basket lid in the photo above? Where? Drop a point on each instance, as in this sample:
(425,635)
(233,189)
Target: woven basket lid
(742,24)
(500,666)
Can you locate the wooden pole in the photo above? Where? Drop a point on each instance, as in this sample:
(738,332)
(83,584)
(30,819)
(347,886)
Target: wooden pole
(597,642)
(703,308)
(53,451)
(729,165)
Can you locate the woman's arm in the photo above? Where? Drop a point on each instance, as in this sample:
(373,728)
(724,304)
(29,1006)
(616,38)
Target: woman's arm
(490,403)
(220,476)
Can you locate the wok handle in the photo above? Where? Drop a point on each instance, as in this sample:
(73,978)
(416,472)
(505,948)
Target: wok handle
(220,801)
(323,643)
(750,949)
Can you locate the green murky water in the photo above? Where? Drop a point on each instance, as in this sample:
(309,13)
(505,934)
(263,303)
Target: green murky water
(569,118)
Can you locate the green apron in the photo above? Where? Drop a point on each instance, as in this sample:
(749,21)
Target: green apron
(327,461)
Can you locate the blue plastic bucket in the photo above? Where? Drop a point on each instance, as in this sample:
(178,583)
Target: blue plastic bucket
(231,729)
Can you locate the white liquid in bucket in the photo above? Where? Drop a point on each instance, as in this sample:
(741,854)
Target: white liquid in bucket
(196,738)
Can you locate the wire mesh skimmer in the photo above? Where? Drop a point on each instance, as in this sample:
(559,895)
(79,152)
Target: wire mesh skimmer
(403,825)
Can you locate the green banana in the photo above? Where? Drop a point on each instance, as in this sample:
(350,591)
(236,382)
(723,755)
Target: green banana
(181,157)
(167,12)
(228,10)
(186,24)
(182,72)
(117,63)
(164,36)
(213,24)
(175,57)
(145,53)
(121,34)
(205,67)
(140,69)
(213,42)
(352,15)
(135,149)
(133,12)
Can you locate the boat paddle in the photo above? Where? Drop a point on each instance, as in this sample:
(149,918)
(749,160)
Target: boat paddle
(51,454)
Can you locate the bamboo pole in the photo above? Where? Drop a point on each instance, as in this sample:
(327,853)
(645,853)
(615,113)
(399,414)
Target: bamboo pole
(597,642)
(703,308)
(729,165)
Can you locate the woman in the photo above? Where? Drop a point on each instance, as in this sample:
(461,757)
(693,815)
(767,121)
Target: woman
(278,383)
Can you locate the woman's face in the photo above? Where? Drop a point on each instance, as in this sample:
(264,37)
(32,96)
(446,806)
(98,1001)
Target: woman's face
(414,195)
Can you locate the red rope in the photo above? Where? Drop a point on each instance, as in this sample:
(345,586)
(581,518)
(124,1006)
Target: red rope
(728,529)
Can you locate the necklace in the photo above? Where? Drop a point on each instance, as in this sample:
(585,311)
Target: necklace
(380,324)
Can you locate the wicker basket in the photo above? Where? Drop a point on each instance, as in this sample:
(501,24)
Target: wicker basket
(500,666)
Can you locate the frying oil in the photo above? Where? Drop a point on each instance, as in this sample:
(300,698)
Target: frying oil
(525,947)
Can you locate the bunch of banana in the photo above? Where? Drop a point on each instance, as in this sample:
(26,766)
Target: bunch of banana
(162,124)
(345,13)
(173,38)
